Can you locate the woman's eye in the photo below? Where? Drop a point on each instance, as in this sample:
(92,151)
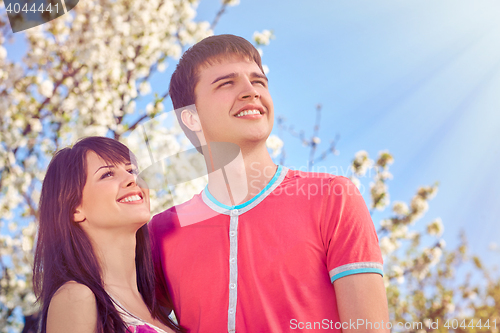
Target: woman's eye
(107,174)
(133,171)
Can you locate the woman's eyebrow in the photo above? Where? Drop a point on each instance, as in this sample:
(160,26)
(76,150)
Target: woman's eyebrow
(111,166)
(104,166)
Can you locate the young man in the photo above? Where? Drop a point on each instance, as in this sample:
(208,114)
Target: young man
(259,249)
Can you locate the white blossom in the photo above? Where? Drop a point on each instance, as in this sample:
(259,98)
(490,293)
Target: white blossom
(35,124)
(442,243)
(263,38)
(435,228)
(275,144)
(386,223)
(266,69)
(388,245)
(161,67)
(145,88)
(46,88)
(398,274)
(412,235)
(380,195)
(356,181)
(3,52)
(435,255)
(400,208)
(150,108)
(231,2)
(400,232)
(361,163)
(419,206)
(385,159)
(384,175)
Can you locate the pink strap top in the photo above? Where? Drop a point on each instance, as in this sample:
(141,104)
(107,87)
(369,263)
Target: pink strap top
(134,323)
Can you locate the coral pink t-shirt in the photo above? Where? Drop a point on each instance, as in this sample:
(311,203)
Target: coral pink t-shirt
(268,264)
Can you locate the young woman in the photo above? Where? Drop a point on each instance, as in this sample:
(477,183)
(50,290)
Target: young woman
(93,270)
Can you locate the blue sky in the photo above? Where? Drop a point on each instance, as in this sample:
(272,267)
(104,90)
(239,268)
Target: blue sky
(419,78)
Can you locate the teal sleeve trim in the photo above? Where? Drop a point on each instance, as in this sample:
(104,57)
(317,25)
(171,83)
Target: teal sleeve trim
(271,182)
(357,271)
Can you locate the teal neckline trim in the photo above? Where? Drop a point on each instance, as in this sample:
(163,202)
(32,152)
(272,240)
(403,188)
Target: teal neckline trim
(271,182)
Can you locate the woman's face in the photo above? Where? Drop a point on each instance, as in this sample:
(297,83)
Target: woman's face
(111,197)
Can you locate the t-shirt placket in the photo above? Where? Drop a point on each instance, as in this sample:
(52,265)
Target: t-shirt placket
(233,270)
(234,212)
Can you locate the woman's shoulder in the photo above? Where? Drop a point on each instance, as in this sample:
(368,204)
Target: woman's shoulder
(72,308)
(74,291)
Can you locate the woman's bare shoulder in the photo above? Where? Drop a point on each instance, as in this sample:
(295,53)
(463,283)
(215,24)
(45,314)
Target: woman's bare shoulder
(72,309)
(75,291)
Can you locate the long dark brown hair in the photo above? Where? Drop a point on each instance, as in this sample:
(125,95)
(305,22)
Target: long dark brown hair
(64,251)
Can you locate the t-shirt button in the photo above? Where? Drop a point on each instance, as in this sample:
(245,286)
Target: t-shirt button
(232,285)
(232,260)
(234,212)
(232,233)
(231,311)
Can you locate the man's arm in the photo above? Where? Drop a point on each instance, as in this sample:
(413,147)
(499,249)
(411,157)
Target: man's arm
(361,298)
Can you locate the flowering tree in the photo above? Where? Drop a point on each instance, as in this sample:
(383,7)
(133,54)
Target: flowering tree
(83,75)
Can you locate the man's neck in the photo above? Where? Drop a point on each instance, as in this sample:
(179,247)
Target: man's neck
(243,178)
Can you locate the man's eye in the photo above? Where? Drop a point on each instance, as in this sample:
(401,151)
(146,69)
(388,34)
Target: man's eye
(260,82)
(226,83)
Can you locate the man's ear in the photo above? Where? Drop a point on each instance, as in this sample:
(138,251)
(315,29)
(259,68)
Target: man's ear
(191,119)
(78,215)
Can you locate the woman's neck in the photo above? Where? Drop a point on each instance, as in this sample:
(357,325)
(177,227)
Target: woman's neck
(116,253)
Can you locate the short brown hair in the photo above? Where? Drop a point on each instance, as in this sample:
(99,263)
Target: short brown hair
(186,75)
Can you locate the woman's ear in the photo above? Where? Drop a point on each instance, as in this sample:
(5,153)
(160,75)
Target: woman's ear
(191,119)
(78,215)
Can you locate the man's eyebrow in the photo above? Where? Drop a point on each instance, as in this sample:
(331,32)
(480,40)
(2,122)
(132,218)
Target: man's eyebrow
(233,75)
(259,75)
(223,77)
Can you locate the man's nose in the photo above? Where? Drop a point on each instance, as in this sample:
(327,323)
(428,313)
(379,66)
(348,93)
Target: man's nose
(248,90)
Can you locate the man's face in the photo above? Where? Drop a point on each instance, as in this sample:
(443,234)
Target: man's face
(233,102)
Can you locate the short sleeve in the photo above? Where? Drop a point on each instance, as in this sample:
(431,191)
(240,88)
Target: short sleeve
(163,302)
(348,232)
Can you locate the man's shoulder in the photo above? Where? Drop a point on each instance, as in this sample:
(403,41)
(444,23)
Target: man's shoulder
(165,214)
(171,215)
(318,184)
(315,176)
